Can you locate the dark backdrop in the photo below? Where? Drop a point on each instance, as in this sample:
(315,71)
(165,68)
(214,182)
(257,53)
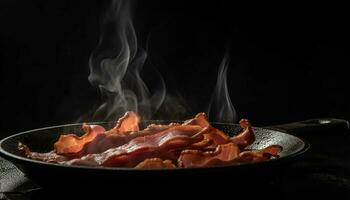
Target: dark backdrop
(288,61)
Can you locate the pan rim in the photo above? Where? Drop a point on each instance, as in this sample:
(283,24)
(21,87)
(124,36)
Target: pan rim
(19,159)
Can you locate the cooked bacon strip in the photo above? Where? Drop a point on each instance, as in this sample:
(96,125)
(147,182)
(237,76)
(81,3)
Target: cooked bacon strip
(101,143)
(173,154)
(196,158)
(144,147)
(260,155)
(104,142)
(129,122)
(202,144)
(48,157)
(246,137)
(217,137)
(200,119)
(192,144)
(71,143)
(243,139)
(154,163)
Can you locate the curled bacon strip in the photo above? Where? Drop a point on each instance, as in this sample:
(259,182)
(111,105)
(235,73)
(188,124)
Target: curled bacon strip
(71,143)
(129,122)
(144,147)
(195,143)
(74,146)
(246,137)
(196,158)
(51,156)
(260,155)
(217,137)
(200,119)
(152,163)
(104,142)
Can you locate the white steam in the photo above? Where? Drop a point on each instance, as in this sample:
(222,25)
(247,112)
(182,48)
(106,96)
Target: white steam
(115,67)
(220,108)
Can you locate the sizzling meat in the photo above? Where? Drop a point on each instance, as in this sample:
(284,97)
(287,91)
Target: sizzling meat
(195,143)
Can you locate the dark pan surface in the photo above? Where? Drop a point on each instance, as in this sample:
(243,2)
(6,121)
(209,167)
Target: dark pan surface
(42,140)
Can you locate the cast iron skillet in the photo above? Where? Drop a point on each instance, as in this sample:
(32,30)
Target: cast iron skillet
(49,174)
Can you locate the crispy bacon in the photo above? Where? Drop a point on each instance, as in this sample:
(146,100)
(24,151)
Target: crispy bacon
(74,146)
(173,154)
(129,122)
(153,163)
(104,142)
(246,137)
(226,154)
(192,144)
(144,147)
(217,137)
(260,155)
(214,135)
(202,144)
(243,139)
(197,158)
(71,143)
(51,156)
(200,119)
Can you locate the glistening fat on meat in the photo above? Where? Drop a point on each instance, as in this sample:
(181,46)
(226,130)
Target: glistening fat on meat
(195,143)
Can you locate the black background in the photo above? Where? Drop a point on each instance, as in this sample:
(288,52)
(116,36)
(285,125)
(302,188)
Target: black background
(288,61)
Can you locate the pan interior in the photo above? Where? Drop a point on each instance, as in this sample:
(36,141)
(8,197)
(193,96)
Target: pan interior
(266,137)
(42,140)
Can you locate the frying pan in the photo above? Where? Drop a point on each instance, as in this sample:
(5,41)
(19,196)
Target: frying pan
(51,174)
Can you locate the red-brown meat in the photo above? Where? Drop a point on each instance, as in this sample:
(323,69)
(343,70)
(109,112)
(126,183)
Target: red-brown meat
(197,158)
(143,147)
